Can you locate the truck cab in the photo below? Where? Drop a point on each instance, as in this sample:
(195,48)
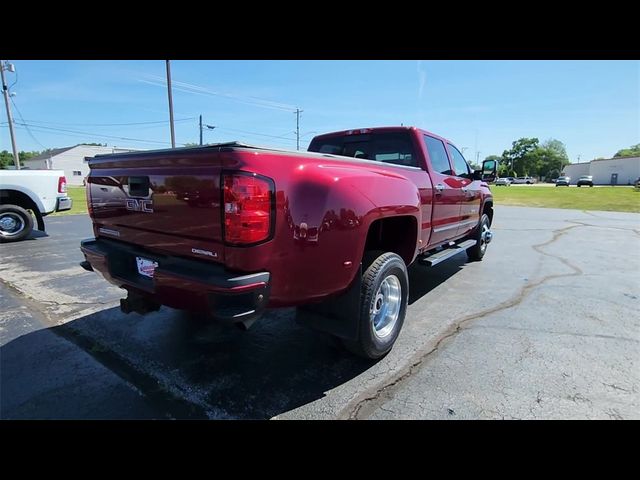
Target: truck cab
(452,196)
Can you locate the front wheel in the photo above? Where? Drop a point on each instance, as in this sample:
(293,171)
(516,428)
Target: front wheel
(383,306)
(482,235)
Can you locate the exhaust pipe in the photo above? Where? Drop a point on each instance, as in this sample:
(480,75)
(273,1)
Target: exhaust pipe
(245,325)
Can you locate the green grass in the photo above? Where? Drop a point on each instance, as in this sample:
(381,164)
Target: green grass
(79,202)
(613,199)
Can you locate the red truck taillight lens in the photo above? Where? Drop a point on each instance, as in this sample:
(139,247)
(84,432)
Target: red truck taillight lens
(87,193)
(248,208)
(62,185)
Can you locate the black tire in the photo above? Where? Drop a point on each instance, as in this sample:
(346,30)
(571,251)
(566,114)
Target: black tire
(591,185)
(374,343)
(15,223)
(476,253)
(579,185)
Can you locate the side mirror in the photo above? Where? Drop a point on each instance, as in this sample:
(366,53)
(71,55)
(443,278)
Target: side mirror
(489,170)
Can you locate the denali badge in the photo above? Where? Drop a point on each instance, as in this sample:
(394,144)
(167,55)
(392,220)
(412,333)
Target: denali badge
(204,252)
(140,205)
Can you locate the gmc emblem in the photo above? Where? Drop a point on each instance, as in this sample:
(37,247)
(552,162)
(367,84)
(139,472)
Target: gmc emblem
(139,205)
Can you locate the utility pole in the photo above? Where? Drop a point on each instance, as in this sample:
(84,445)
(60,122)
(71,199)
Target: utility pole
(202,127)
(476,146)
(298,112)
(173,135)
(5,90)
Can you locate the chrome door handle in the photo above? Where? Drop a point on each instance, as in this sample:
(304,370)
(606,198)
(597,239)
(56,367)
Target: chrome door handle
(439,188)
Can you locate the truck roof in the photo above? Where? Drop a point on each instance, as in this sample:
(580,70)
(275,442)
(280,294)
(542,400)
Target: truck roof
(356,131)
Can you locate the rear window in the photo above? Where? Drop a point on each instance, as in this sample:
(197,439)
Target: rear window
(388,147)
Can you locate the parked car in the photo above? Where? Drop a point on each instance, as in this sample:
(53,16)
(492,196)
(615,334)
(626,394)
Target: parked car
(22,191)
(585,180)
(331,230)
(523,180)
(503,181)
(563,181)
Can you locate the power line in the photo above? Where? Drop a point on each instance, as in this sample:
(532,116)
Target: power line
(196,89)
(283,137)
(41,128)
(109,124)
(75,133)
(27,128)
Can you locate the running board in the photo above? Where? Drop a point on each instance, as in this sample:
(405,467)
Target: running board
(447,253)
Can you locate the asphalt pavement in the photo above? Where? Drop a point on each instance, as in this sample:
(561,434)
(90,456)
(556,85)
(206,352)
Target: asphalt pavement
(547,326)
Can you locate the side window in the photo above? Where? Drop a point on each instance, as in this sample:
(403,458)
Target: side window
(459,163)
(438,155)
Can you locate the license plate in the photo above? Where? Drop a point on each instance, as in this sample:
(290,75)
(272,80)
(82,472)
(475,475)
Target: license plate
(146,267)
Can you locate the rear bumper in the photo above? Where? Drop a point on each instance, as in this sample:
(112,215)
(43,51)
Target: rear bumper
(63,203)
(180,283)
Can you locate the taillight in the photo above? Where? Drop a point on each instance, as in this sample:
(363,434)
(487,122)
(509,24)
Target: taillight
(62,185)
(247,208)
(87,193)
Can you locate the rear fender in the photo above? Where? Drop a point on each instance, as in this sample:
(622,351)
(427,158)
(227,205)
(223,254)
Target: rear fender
(330,209)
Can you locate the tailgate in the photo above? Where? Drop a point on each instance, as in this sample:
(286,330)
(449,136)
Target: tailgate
(169,203)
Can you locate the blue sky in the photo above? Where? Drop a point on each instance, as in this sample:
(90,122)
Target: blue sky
(482,106)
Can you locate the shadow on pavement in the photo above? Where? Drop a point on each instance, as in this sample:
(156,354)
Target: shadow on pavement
(35,234)
(185,367)
(423,279)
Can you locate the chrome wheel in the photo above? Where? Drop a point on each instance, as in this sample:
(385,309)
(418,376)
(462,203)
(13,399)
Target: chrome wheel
(485,237)
(385,306)
(11,224)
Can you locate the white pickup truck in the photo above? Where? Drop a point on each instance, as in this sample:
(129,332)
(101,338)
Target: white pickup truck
(25,194)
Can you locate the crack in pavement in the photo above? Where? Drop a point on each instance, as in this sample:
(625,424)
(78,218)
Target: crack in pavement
(364,406)
(16,289)
(636,231)
(616,387)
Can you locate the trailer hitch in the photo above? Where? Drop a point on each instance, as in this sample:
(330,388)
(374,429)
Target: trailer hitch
(138,304)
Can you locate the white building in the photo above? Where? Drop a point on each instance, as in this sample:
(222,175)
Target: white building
(609,171)
(71,160)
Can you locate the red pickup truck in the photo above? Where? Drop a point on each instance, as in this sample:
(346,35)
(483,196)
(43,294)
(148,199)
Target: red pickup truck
(231,229)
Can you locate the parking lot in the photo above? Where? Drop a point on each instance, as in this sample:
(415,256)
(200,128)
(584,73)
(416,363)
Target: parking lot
(546,327)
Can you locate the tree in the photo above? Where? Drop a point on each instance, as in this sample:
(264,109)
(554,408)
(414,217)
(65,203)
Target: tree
(551,158)
(6,158)
(632,151)
(522,158)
